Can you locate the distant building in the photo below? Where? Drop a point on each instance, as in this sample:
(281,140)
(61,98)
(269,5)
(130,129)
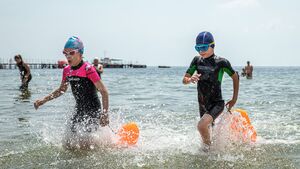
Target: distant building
(107,60)
(112,63)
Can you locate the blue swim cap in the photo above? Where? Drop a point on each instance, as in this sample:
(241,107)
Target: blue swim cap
(205,38)
(75,43)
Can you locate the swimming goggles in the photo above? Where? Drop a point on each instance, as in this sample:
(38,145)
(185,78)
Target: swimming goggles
(203,47)
(71,53)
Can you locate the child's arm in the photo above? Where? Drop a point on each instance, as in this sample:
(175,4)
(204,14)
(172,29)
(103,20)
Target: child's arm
(58,92)
(235,79)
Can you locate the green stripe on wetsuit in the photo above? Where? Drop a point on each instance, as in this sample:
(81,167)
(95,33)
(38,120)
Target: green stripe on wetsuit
(192,70)
(221,72)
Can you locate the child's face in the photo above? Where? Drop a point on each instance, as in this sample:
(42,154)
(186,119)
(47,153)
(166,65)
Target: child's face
(74,57)
(207,53)
(18,60)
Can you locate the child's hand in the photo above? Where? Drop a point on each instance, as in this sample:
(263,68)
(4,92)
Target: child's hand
(104,120)
(38,103)
(24,80)
(230,104)
(195,78)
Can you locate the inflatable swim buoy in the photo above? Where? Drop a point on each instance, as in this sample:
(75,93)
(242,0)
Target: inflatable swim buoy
(241,125)
(128,134)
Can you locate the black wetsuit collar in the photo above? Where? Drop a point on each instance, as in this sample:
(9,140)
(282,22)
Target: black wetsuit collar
(210,57)
(78,66)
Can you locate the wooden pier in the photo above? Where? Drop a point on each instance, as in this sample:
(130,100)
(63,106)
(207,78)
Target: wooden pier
(56,66)
(123,66)
(31,65)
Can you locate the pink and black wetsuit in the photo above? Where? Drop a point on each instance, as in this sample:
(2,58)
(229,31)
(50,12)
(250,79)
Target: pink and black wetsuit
(82,78)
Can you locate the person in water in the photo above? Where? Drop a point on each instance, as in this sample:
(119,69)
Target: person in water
(98,66)
(84,82)
(24,69)
(210,69)
(243,72)
(248,70)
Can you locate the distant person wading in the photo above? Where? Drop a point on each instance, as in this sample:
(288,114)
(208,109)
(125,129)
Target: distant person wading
(98,66)
(25,74)
(248,70)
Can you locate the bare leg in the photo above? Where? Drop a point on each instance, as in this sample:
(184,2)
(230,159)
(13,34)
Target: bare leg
(203,128)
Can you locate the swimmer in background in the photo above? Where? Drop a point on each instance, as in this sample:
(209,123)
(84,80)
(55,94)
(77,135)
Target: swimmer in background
(25,74)
(248,70)
(243,72)
(207,71)
(84,82)
(98,66)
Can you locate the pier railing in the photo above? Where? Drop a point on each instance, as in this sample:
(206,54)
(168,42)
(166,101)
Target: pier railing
(31,65)
(55,66)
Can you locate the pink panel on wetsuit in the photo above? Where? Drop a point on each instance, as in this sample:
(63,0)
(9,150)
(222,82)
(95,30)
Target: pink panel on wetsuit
(91,73)
(86,70)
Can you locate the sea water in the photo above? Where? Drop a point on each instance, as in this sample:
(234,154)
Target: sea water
(166,112)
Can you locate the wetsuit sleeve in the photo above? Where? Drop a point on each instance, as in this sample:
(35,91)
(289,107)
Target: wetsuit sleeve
(193,67)
(64,76)
(227,68)
(92,74)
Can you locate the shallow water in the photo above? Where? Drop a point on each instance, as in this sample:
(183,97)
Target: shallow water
(167,114)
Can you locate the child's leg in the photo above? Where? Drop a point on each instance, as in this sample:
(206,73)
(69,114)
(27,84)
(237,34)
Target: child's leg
(203,128)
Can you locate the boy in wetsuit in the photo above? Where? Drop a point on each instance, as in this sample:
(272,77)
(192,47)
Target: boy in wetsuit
(210,69)
(84,82)
(25,74)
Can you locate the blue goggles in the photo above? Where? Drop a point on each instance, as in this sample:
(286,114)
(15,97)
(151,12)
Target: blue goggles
(203,47)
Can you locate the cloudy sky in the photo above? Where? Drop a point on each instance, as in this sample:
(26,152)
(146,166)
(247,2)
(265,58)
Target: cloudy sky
(153,32)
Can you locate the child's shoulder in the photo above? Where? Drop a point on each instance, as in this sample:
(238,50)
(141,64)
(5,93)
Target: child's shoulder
(89,67)
(220,59)
(217,57)
(67,68)
(197,59)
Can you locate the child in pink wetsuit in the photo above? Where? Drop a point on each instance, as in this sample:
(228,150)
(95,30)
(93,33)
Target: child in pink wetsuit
(82,78)
(84,82)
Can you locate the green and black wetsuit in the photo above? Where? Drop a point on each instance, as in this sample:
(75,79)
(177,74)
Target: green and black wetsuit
(209,86)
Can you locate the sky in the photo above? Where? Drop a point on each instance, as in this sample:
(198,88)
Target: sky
(152,32)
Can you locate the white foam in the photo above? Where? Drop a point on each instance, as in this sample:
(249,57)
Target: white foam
(224,136)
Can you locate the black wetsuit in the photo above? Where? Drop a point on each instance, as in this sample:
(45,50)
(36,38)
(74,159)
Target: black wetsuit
(23,72)
(81,79)
(209,86)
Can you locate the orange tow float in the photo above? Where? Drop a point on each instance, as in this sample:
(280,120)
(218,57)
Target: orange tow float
(241,125)
(128,134)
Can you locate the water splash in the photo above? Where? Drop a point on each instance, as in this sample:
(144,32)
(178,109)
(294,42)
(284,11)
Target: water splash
(232,130)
